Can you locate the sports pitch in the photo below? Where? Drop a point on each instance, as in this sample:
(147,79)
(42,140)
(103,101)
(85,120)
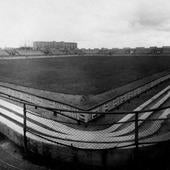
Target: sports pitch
(80,74)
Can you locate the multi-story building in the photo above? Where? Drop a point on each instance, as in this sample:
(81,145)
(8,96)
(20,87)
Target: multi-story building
(40,45)
(166,49)
(90,51)
(142,50)
(156,50)
(115,51)
(126,50)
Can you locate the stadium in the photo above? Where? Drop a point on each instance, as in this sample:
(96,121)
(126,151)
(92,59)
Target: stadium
(93,109)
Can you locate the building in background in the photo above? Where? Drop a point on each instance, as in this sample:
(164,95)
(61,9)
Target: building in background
(142,50)
(166,49)
(71,48)
(41,45)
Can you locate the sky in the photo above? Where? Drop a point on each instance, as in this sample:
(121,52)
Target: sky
(90,23)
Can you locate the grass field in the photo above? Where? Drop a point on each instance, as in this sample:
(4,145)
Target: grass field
(82,74)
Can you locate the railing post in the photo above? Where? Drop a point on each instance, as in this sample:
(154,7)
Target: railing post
(136,131)
(78,122)
(55,113)
(25,126)
(136,140)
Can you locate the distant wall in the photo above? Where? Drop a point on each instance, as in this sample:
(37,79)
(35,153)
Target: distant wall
(32,57)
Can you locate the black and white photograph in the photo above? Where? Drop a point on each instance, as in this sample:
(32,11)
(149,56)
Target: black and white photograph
(84,84)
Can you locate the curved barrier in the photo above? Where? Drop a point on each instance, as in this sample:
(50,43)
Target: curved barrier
(37,133)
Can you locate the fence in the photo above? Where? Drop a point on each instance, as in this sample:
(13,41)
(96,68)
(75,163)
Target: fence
(134,129)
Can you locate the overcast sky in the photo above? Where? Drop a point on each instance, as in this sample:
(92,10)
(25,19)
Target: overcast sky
(91,23)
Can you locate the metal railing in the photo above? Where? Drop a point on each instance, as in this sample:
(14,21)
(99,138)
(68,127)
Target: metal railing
(132,137)
(134,132)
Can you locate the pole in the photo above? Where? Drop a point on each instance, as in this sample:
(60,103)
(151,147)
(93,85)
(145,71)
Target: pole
(136,139)
(25,127)
(136,131)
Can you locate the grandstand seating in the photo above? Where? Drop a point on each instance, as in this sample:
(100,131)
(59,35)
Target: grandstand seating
(29,52)
(12,52)
(3,53)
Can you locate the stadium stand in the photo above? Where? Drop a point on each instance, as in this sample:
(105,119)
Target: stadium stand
(29,52)
(12,52)
(3,53)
